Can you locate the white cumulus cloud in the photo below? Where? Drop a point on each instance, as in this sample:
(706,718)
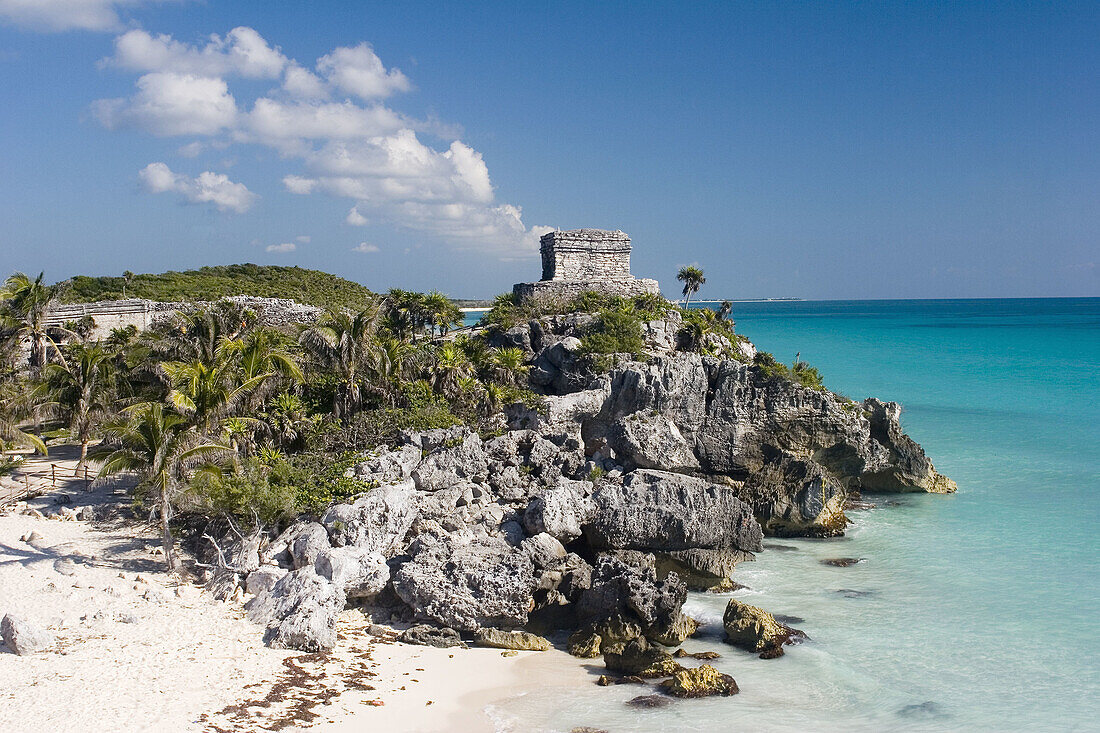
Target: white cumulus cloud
(359,71)
(365,247)
(355,219)
(207,187)
(281,248)
(66,15)
(168,104)
(243,52)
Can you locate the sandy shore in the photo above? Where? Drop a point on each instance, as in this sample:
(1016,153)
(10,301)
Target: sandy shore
(140,651)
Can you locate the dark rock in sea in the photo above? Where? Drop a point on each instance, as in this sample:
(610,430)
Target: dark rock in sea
(858,505)
(703,681)
(649,701)
(842,562)
(851,593)
(789,619)
(521,640)
(425,635)
(656,510)
(680,653)
(703,569)
(727,586)
(639,658)
(757,630)
(606,635)
(928,710)
(779,548)
(606,680)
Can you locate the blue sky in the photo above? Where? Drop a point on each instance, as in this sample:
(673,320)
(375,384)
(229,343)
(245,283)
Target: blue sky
(817,150)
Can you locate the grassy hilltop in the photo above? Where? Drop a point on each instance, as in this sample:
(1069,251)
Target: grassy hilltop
(210,283)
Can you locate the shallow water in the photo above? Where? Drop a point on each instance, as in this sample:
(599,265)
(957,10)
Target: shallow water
(978,611)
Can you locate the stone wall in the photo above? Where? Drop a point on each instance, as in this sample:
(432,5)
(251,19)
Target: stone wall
(563,291)
(585,254)
(111,314)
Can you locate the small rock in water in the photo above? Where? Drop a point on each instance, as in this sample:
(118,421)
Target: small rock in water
(587,729)
(607,680)
(680,653)
(649,701)
(703,681)
(780,548)
(783,619)
(842,562)
(850,593)
(923,710)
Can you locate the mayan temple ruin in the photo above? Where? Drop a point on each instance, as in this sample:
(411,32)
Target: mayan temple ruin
(585,259)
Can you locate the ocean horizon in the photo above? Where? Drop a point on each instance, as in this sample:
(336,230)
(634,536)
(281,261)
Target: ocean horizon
(977,611)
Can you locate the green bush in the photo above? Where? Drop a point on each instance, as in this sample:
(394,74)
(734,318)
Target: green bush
(802,373)
(241,493)
(614,332)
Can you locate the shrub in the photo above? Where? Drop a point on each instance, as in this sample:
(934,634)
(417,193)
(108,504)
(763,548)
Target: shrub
(802,373)
(614,332)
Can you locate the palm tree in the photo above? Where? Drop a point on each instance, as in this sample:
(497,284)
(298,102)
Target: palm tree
(507,365)
(286,420)
(127,278)
(449,367)
(17,406)
(198,334)
(207,393)
(692,278)
(724,310)
(388,366)
(80,390)
(160,447)
(25,313)
(343,343)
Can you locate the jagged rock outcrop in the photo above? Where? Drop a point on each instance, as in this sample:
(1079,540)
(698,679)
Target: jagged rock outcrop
(702,569)
(703,681)
(619,588)
(562,511)
(377,521)
(357,571)
(467,582)
(299,611)
(450,465)
(656,510)
(789,495)
(642,660)
(757,630)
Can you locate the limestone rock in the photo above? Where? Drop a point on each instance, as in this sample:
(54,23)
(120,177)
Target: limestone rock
(560,512)
(466,462)
(702,569)
(377,521)
(545,551)
(299,612)
(757,630)
(467,582)
(657,510)
(619,589)
(386,466)
(522,640)
(359,572)
(24,637)
(648,440)
(263,578)
(426,635)
(796,497)
(703,681)
(638,658)
(307,544)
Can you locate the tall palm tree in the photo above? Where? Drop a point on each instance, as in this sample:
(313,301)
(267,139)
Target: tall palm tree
(80,390)
(25,311)
(343,343)
(207,393)
(449,367)
(724,310)
(388,365)
(692,278)
(160,447)
(16,406)
(199,333)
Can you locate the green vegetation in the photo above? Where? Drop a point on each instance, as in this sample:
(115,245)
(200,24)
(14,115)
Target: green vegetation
(693,279)
(614,332)
(801,373)
(507,311)
(211,283)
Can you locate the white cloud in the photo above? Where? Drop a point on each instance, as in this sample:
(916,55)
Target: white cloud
(355,219)
(190,150)
(65,15)
(168,104)
(365,152)
(243,52)
(359,71)
(207,187)
(281,248)
(365,247)
(304,239)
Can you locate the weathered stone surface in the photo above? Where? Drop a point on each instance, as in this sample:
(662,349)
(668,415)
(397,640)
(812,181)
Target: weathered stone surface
(645,440)
(386,466)
(263,578)
(619,589)
(545,551)
(638,658)
(703,681)
(907,467)
(299,611)
(467,582)
(359,572)
(376,522)
(308,544)
(656,510)
(24,637)
(701,569)
(560,512)
(794,497)
(522,640)
(466,462)
(649,701)
(426,635)
(757,630)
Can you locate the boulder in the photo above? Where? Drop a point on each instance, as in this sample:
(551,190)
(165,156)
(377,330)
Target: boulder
(466,462)
(647,440)
(467,582)
(425,635)
(640,659)
(24,637)
(521,640)
(263,578)
(619,589)
(657,510)
(606,635)
(757,630)
(560,512)
(701,569)
(703,681)
(308,543)
(794,497)
(906,468)
(299,611)
(359,572)
(377,521)
(544,550)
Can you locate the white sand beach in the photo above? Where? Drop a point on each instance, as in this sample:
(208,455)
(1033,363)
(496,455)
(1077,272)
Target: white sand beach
(139,650)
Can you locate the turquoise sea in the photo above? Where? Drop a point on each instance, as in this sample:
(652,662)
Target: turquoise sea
(973,612)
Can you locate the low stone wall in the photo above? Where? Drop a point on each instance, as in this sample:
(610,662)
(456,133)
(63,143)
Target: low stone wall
(112,314)
(561,291)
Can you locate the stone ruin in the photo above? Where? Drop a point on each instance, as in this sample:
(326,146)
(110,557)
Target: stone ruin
(585,259)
